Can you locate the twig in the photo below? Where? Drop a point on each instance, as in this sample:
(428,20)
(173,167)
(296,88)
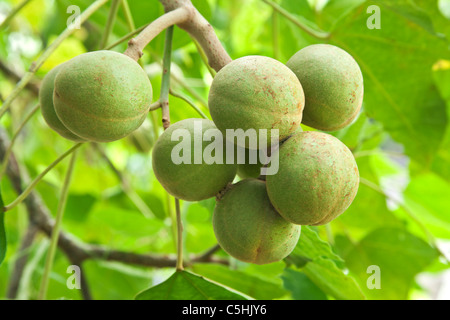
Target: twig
(31,186)
(200,29)
(77,250)
(126,37)
(155,106)
(21,261)
(165,81)
(319,34)
(204,58)
(126,185)
(128,15)
(4,163)
(110,22)
(56,229)
(137,45)
(13,75)
(208,254)
(189,102)
(179,265)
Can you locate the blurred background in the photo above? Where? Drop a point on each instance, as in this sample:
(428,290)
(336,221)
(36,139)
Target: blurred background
(399,221)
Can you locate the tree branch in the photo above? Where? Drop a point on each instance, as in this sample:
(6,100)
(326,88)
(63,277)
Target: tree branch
(76,250)
(137,45)
(21,261)
(13,75)
(200,29)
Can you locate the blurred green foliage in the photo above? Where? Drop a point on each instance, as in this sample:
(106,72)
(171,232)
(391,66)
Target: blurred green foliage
(401,141)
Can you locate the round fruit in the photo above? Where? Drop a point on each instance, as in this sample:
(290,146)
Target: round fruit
(248,228)
(250,168)
(332,83)
(143,138)
(182,164)
(317,179)
(102,95)
(256,92)
(48,109)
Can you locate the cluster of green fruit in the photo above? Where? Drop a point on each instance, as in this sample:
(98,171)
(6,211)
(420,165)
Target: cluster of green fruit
(97,96)
(103,96)
(258,219)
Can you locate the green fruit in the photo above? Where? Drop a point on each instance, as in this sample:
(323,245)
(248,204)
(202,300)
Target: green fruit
(248,169)
(48,109)
(102,95)
(189,180)
(317,179)
(256,92)
(248,228)
(143,137)
(332,83)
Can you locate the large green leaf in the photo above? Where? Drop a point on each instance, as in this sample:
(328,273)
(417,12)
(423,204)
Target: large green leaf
(399,255)
(427,195)
(301,287)
(392,60)
(183,285)
(249,284)
(311,247)
(330,279)
(442,79)
(318,262)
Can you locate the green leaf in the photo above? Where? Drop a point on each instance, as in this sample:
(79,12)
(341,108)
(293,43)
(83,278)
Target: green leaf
(183,285)
(318,262)
(301,287)
(311,247)
(330,279)
(441,163)
(399,256)
(392,60)
(249,284)
(427,195)
(3,243)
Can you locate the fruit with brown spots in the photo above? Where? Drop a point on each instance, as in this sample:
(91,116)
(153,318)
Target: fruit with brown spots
(317,179)
(256,92)
(184,166)
(102,95)
(248,228)
(332,83)
(48,108)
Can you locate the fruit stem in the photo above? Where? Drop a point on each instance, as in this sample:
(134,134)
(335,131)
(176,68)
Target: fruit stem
(165,81)
(8,151)
(56,229)
(319,34)
(110,22)
(179,266)
(31,186)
